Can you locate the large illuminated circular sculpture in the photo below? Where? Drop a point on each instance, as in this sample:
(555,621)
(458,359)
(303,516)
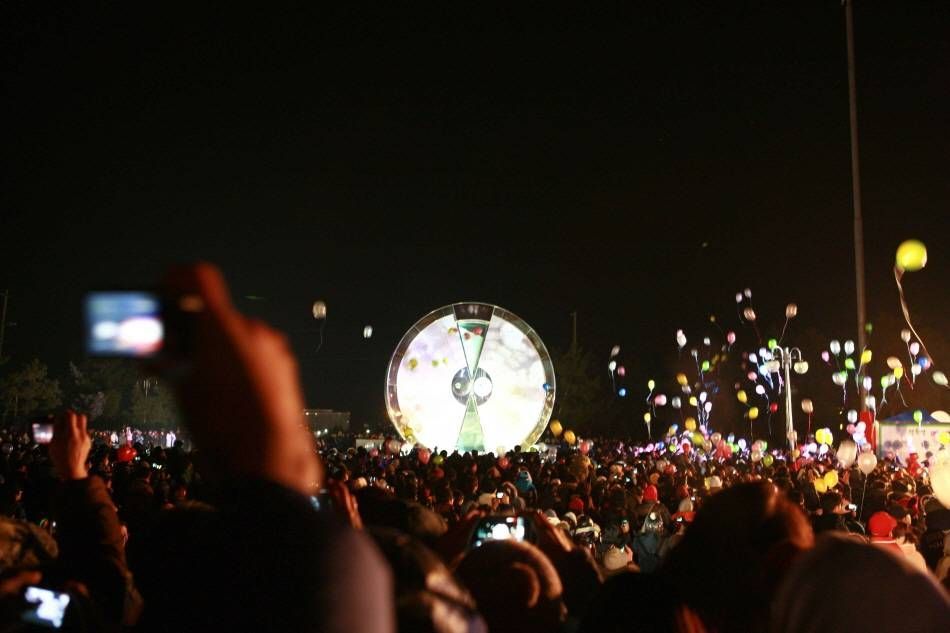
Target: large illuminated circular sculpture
(470,376)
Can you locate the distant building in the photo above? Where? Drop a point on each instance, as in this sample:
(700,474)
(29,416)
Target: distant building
(326,420)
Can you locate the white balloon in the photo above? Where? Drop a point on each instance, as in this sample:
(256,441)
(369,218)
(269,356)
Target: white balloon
(849,347)
(748,293)
(915,348)
(614,350)
(319,310)
(905,335)
(835,347)
(612,365)
(893,362)
(860,427)
(941,416)
(867,461)
(847,453)
(367,331)
(852,416)
(940,378)
(759,389)
(915,369)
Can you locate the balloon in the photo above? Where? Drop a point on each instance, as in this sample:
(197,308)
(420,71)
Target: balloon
(866,357)
(807,406)
(940,378)
(738,297)
(773,407)
(861,427)
(760,389)
(825,356)
(915,369)
(647,417)
(800,367)
(852,416)
(690,424)
(914,348)
(835,347)
(847,453)
(941,416)
(871,401)
(749,314)
(680,339)
(924,362)
(706,341)
(569,437)
(730,337)
(772,343)
(918,416)
(705,365)
(851,429)
(437,460)
(898,372)
(748,293)
(849,347)
(752,376)
(675,402)
(612,365)
(768,460)
(319,310)
(867,461)
(742,397)
(839,378)
(831,478)
(556,427)
(905,335)
(820,486)
(622,392)
(651,384)
(367,331)
(707,407)
(911,255)
(621,371)
(753,413)
(702,396)
(867,383)
(614,350)
(943,437)
(693,401)
(791,311)
(681,379)
(659,400)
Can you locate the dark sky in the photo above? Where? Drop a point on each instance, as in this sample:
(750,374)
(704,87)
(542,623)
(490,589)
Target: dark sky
(545,160)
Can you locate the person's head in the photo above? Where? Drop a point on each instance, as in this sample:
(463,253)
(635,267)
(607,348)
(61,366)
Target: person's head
(746,537)
(881,525)
(529,599)
(831,503)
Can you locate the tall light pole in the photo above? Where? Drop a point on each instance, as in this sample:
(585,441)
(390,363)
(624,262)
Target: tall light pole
(3,320)
(787,359)
(855,180)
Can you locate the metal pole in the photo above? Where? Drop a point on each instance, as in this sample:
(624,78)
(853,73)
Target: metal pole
(3,320)
(789,426)
(855,182)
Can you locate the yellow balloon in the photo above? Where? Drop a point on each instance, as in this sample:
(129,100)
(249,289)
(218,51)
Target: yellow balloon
(569,437)
(690,424)
(742,396)
(647,417)
(911,255)
(944,437)
(753,413)
(693,401)
(866,357)
(831,478)
(898,372)
(651,384)
(556,427)
(682,379)
(820,486)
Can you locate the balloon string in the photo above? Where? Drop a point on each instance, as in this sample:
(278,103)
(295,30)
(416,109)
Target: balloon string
(323,324)
(898,273)
(780,338)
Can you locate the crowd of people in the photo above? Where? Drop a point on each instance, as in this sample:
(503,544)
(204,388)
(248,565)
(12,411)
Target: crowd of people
(247,521)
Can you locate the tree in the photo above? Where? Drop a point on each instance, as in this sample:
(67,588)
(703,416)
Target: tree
(29,390)
(583,397)
(103,389)
(153,405)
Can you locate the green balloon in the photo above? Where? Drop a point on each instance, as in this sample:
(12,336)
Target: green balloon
(849,363)
(918,416)
(773,343)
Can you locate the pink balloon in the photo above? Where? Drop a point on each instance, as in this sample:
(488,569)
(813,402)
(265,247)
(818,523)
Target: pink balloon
(825,356)
(621,371)
(850,429)
(660,400)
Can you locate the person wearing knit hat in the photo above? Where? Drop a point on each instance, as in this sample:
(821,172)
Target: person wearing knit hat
(650,493)
(618,560)
(881,529)
(576,505)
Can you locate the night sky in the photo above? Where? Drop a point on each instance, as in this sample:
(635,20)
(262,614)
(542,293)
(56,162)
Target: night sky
(638,167)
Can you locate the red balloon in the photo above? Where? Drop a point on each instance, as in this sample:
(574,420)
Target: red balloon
(126,453)
(773,407)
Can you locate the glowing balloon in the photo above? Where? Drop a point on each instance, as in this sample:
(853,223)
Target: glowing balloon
(702,396)
(738,297)
(612,365)
(871,401)
(569,437)
(753,413)
(825,356)
(621,371)
(918,416)
(659,400)
(772,343)
(614,350)
(847,453)
(866,357)
(706,341)
(742,396)
(943,437)
(651,384)
(647,417)
(867,383)
(839,378)
(681,379)
(622,392)
(831,478)
(915,369)
(367,331)
(852,416)
(768,460)
(791,311)
(730,337)
(940,378)
(693,401)
(849,363)
(808,406)
(941,416)
(760,389)
(893,362)
(748,293)
(751,376)
(556,427)
(705,365)
(835,347)
(860,427)
(690,424)
(319,310)
(911,255)
(898,372)
(707,407)
(867,461)
(849,347)
(680,339)
(749,314)
(741,443)
(820,486)
(675,402)
(905,335)
(585,446)
(914,348)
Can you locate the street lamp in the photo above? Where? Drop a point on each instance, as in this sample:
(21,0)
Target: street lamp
(788,358)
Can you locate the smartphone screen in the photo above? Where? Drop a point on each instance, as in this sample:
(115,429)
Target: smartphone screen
(499,529)
(45,607)
(123,323)
(42,432)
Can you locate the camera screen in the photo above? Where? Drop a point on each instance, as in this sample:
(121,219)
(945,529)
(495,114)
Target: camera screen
(123,324)
(42,433)
(46,607)
(499,529)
